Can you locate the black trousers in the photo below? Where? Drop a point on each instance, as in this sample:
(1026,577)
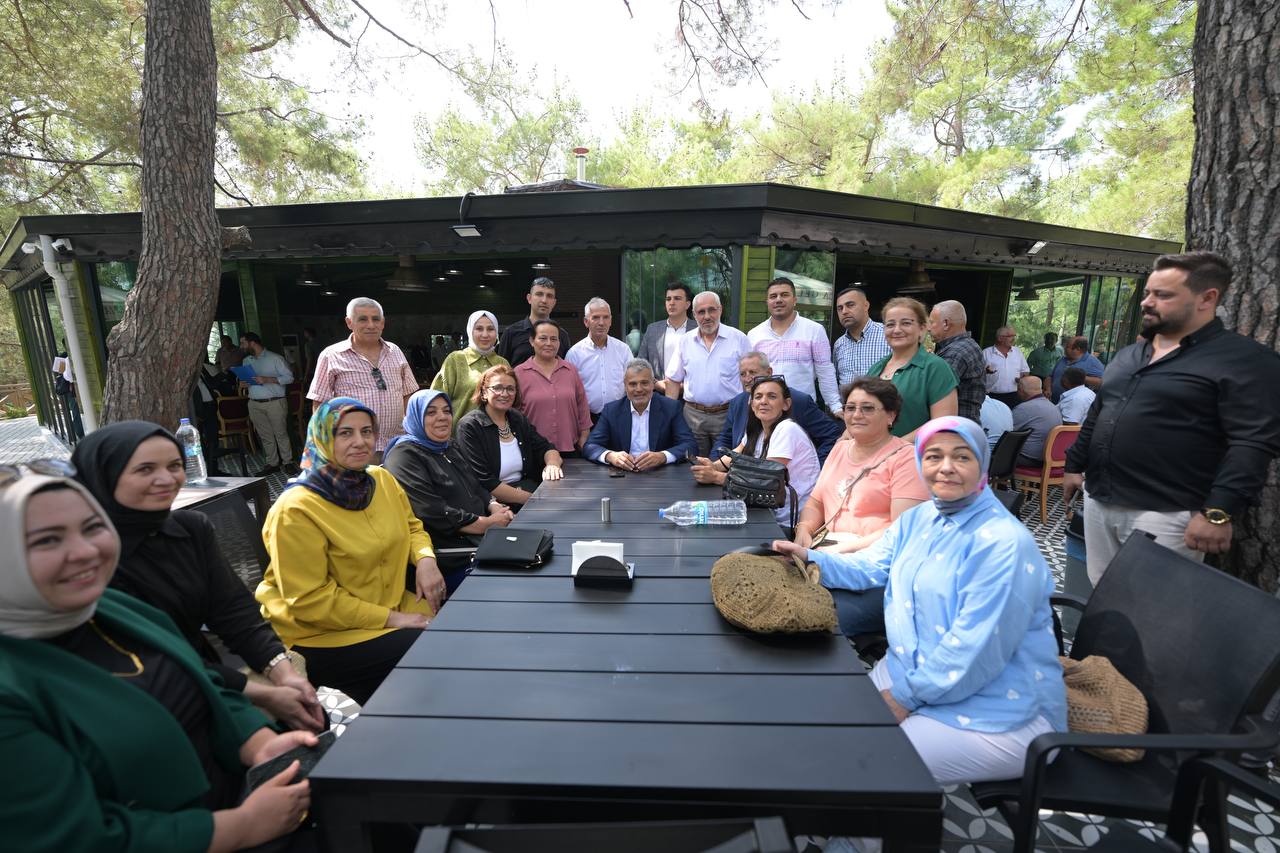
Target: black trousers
(1010,399)
(357,670)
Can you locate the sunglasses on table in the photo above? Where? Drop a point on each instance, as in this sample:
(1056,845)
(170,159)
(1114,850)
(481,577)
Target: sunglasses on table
(377,377)
(10,474)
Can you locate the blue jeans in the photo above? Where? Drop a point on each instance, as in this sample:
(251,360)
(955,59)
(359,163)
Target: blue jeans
(859,612)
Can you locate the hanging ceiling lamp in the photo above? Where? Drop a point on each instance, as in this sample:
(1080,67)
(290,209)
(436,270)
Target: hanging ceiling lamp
(918,281)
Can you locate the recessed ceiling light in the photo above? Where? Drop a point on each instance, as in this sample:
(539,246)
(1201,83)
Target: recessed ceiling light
(453,272)
(330,292)
(497,271)
(541,267)
(440,278)
(482,285)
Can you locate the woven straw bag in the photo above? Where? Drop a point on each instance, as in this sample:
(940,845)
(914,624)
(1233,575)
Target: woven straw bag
(1102,701)
(763,592)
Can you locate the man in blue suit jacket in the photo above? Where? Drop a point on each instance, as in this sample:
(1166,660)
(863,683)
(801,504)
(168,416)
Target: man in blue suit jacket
(823,430)
(641,431)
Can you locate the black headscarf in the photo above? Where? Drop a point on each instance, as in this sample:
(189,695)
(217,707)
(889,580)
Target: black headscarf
(100,458)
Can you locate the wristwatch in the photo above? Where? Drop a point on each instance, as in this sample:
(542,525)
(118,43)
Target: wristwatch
(1213,515)
(274,662)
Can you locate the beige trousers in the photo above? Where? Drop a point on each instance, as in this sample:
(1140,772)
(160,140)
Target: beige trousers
(270,420)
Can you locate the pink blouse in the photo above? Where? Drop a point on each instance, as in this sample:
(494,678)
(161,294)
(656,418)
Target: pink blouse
(868,507)
(557,407)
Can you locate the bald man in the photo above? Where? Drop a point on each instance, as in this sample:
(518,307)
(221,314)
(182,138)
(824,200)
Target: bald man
(1037,412)
(955,346)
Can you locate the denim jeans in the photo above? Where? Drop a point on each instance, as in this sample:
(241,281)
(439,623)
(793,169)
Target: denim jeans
(859,612)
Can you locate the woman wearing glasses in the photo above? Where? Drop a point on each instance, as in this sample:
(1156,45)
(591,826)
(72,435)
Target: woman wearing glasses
(772,434)
(115,735)
(461,371)
(170,559)
(508,456)
(927,383)
(443,490)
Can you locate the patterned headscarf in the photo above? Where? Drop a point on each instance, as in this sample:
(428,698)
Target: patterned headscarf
(471,331)
(414,429)
(348,488)
(973,436)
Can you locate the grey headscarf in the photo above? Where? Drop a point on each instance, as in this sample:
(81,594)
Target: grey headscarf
(24,612)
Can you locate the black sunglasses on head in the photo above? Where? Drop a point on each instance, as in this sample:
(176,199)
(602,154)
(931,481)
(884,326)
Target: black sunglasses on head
(782,380)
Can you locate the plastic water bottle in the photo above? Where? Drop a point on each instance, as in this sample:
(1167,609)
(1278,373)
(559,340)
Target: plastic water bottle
(686,513)
(192,453)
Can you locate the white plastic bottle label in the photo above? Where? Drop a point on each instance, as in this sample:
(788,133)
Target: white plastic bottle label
(700,512)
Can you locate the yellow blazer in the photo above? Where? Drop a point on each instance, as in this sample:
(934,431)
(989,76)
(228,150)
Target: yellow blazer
(336,573)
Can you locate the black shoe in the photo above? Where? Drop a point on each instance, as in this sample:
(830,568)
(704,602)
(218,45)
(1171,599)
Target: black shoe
(270,469)
(292,470)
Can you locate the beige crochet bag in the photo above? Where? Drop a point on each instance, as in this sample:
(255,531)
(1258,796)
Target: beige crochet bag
(1102,701)
(767,593)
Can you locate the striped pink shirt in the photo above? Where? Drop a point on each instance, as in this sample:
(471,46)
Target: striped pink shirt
(343,372)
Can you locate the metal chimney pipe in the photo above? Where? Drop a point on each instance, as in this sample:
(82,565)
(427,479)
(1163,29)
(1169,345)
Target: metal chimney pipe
(581,154)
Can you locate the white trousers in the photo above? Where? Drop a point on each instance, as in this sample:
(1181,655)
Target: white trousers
(956,756)
(1106,527)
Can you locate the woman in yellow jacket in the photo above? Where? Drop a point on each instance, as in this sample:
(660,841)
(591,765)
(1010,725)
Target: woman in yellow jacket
(341,538)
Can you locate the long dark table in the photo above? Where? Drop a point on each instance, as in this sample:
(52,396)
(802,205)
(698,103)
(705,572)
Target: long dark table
(532,700)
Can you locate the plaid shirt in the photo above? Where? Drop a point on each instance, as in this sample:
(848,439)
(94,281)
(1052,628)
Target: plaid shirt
(964,356)
(343,372)
(855,358)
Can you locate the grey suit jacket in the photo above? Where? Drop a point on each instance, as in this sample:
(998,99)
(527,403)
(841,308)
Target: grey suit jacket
(651,346)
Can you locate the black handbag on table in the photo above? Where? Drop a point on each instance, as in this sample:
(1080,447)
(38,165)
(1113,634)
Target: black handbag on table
(758,482)
(514,548)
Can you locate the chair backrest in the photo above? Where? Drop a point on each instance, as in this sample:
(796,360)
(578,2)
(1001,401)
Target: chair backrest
(239,536)
(1057,444)
(232,410)
(1005,454)
(1012,500)
(1191,638)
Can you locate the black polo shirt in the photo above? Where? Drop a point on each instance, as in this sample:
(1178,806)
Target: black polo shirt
(514,344)
(1195,429)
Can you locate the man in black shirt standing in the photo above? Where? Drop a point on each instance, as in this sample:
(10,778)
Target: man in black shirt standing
(1185,423)
(514,344)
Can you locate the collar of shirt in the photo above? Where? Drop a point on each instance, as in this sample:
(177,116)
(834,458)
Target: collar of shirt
(767,325)
(1205,333)
(530,365)
(866,327)
(474,357)
(943,344)
(347,343)
(920,359)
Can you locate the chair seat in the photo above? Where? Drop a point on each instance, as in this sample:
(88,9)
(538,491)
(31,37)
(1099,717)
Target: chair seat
(1028,471)
(1079,782)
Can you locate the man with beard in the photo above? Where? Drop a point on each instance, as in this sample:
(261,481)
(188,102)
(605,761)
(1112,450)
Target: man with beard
(1185,423)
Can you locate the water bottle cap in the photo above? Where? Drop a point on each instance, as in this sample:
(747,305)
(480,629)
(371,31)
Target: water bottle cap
(184,422)
(662,513)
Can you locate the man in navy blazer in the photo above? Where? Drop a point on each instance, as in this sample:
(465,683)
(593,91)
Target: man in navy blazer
(641,431)
(823,430)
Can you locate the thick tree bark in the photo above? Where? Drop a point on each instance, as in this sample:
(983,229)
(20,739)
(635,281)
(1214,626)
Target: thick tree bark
(1233,207)
(158,345)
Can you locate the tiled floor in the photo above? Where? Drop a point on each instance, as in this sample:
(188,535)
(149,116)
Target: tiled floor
(966,828)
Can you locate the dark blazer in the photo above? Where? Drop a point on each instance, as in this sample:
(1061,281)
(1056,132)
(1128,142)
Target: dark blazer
(477,438)
(444,493)
(651,349)
(667,429)
(823,430)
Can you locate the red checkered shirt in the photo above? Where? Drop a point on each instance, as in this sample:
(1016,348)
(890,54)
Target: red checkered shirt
(343,372)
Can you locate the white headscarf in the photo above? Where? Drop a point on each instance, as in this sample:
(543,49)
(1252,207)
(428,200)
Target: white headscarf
(24,612)
(471,336)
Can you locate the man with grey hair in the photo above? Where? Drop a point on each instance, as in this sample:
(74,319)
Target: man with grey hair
(599,358)
(1005,366)
(706,370)
(642,431)
(366,368)
(955,346)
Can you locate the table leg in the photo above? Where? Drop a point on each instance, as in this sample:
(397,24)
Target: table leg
(261,497)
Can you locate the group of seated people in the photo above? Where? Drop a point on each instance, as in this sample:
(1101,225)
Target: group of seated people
(113,590)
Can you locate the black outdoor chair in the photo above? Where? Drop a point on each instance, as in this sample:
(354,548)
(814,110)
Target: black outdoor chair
(1004,456)
(239,536)
(1012,500)
(1200,645)
(1207,777)
(762,835)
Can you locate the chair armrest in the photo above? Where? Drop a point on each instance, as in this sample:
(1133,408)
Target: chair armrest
(1069,600)
(1191,780)
(1254,737)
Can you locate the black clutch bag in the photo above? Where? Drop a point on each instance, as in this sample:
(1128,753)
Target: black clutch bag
(514,548)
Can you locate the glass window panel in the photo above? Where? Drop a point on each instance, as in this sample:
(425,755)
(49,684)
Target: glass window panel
(814,275)
(646,275)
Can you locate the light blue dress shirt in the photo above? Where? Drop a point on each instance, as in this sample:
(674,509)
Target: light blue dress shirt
(269,364)
(966,609)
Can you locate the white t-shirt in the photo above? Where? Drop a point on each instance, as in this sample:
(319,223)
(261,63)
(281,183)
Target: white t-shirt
(512,465)
(790,441)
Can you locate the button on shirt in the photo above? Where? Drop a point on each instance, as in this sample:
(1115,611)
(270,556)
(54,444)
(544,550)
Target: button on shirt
(600,369)
(670,340)
(268,364)
(640,434)
(710,377)
(802,354)
(1196,429)
(1007,369)
(854,358)
(343,372)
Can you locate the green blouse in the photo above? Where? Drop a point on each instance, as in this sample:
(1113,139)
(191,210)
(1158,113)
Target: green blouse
(460,375)
(922,381)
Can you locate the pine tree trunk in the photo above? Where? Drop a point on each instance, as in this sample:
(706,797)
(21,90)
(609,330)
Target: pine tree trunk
(156,348)
(1233,207)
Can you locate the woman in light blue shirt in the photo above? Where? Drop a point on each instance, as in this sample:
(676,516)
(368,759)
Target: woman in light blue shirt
(972,672)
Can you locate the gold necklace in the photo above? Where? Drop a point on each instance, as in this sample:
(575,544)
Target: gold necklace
(137,661)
